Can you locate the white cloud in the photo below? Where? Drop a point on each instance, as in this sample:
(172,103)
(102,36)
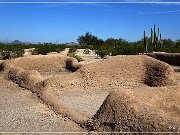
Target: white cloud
(165,12)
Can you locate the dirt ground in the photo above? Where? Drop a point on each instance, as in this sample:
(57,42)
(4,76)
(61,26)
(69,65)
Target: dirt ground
(22,111)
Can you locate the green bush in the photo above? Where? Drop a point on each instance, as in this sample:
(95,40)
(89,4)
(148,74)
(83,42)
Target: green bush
(79,58)
(72,49)
(11,51)
(102,53)
(75,56)
(5,54)
(47,48)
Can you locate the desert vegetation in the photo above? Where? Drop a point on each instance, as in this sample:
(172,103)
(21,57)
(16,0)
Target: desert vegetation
(71,53)
(110,46)
(9,51)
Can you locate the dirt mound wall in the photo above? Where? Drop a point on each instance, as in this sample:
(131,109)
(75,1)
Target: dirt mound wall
(72,64)
(44,63)
(113,72)
(158,73)
(116,72)
(24,78)
(26,70)
(48,97)
(140,110)
(21,71)
(170,58)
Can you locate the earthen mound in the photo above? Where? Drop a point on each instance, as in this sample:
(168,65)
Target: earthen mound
(158,73)
(140,110)
(24,78)
(44,63)
(170,58)
(118,72)
(25,72)
(127,72)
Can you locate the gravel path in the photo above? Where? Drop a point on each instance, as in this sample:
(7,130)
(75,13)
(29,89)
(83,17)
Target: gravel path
(22,111)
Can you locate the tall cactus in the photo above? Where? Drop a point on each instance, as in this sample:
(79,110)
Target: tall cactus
(155,38)
(161,41)
(145,43)
(152,38)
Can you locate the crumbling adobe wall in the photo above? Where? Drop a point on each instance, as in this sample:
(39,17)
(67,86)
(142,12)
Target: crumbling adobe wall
(170,58)
(140,110)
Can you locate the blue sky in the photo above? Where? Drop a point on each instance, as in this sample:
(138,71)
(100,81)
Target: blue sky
(65,22)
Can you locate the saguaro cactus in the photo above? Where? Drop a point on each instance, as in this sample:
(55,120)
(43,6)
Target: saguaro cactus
(161,41)
(155,38)
(152,38)
(145,43)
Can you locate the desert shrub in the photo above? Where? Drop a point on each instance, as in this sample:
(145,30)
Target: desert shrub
(71,54)
(72,49)
(47,48)
(103,51)
(115,47)
(11,51)
(79,58)
(75,56)
(5,54)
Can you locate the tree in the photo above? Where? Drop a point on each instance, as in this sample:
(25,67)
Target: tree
(168,45)
(177,46)
(112,42)
(177,42)
(89,39)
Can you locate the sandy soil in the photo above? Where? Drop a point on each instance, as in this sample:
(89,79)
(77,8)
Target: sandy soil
(177,74)
(84,92)
(87,57)
(22,111)
(85,102)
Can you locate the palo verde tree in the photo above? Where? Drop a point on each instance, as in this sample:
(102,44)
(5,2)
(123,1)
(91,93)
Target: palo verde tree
(89,39)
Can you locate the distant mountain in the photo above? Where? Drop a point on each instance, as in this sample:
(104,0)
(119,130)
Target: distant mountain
(19,42)
(16,42)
